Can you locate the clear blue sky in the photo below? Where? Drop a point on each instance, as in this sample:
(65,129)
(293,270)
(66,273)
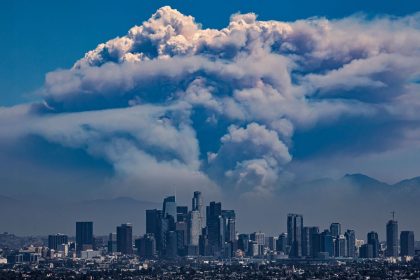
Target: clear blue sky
(41,36)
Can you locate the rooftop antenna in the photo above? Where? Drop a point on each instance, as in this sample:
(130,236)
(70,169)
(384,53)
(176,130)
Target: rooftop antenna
(393,215)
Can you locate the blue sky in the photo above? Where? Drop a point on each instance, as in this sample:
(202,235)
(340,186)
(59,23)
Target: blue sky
(41,36)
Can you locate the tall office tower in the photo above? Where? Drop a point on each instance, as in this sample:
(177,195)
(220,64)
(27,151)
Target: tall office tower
(335,229)
(392,238)
(161,237)
(243,240)
(306,241)
(282,243)
(203,247)
(125,239)
(214,227)
(197,205)
(294,234)
(181,229)
(171,250)
(153,217)
(229,231)
(340,246)
(146,246)
(194,227)
(150,246)
(366,251)
(313,242)
(157,225)
(350,236)
(84,236)
(112,243)
(169,211)
(373,239)
(55,240)
(327,243)
(181,213)
(407,243)
(271,242)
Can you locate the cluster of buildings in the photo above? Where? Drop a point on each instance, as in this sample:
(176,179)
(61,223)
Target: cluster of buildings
(177,231)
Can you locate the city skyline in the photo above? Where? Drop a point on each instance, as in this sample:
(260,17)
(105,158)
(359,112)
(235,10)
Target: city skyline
(174,232)
(293,224)
(101,215)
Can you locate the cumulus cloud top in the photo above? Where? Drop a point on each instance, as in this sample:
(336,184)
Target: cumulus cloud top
(220,108)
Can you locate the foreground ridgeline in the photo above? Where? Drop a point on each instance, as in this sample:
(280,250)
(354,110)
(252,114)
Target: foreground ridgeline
(206,240)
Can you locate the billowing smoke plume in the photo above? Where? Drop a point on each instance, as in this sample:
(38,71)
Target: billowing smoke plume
(171,104)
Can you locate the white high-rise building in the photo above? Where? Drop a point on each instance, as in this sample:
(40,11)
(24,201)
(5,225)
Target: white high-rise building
(197,205)
(194,227)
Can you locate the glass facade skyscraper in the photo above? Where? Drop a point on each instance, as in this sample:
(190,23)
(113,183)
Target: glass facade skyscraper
(214,227)
(294,234)
(373,239)
(407,243)
(350,236)
(84,236)
(392,238)
(125,239)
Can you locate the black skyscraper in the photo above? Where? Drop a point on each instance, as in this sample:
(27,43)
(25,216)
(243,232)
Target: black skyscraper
(171,244)
(392,239)
(157,225)
(327,243)
(407,243)
(315,242)
(294,234)
(84,236)
(373,239)
(214,227)
(125,239)
(152,220)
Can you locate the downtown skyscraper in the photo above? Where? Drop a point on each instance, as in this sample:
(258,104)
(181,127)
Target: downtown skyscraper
(84,236)
(392,238)
(214,223)
(294,234)
(407,243)
(125,239)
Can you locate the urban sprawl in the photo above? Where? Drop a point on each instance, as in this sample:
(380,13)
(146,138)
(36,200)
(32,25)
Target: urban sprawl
(202,243)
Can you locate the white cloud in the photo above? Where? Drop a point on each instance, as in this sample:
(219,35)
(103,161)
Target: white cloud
(255,82)
(249,158)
